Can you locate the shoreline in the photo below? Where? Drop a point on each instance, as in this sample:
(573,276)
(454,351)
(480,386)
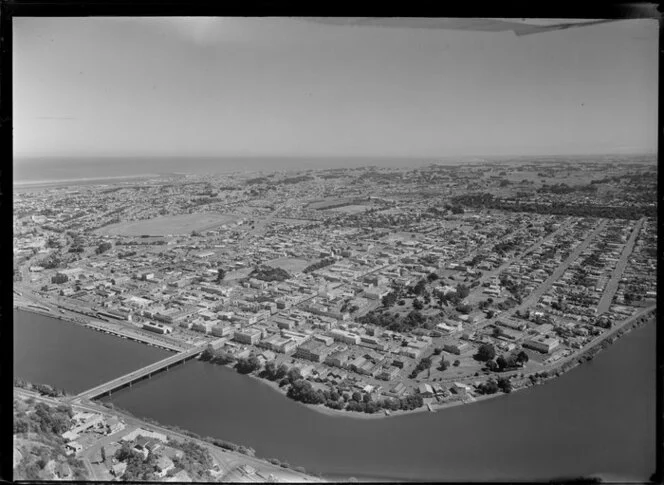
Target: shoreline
(38,183)
(554,372)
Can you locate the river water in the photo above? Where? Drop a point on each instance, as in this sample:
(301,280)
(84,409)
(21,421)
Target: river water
(598,419)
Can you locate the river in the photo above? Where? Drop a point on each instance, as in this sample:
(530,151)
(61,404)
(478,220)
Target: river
(71,357)
(598,419)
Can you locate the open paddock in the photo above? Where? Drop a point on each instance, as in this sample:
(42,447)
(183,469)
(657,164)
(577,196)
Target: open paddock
(162,226)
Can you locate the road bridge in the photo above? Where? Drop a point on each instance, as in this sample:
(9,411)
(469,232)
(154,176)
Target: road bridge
(128,379)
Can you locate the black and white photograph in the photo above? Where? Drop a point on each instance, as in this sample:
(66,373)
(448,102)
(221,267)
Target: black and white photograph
(334,249)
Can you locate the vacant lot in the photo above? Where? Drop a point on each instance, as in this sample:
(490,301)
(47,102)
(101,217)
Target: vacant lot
(163,226)
(292,265)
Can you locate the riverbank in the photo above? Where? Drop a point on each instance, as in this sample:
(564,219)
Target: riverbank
(575,414)
(520,383)
(524,382)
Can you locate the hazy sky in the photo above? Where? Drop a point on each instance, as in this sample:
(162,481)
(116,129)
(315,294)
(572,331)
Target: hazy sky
(278,86)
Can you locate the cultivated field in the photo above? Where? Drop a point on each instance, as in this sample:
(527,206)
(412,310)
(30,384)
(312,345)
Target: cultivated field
(163,226)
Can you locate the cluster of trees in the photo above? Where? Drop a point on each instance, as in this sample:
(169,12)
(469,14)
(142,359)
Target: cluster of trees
(444,364)
(51,262)
(493,386)
(509,362)
(295,180)
(221,274)
(217,357)
(274,373)
(196,460)
(396,322)
(103,247)
(247,365)
(319,264)
(45,419)
(485,353)
(267,273)
(302,391)
(488,201)
(138,468)
(43,389)
(423,364)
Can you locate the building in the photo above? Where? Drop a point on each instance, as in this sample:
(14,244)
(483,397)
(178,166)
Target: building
(425,390)
(541,344)
(344,336)
(313,350)
(456,348)
(247,336)
(157,327)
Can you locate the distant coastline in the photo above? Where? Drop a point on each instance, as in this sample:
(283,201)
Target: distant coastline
(35,171)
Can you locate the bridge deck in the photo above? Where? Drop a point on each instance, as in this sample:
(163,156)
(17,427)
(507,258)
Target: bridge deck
(138,374)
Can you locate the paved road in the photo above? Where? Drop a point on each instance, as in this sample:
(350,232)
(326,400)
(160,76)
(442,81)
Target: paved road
(559,271)
(612,285)
(486,276)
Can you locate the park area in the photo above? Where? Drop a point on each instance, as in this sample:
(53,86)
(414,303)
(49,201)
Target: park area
(168,225)
(292,265)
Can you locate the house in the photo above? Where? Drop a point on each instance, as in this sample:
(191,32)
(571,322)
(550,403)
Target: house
(164,464)
(456,347)
(113,425)
(140,446)
(118,469)
(74,446)
(461,388)
(63,471)
(425,390)
(181,476)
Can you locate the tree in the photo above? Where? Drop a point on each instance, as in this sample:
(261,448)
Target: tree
(504,385)
(248,365)
(221,274)
(417,304)
(501,362)
(294,374)
(456,363)
(485,353)
(431,277)
(444,364)
(462,291)
(488,387)
(521,358)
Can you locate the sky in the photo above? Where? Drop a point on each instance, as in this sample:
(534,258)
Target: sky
(284,87)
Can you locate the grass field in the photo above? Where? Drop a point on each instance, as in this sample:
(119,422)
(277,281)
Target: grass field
(292,265)
(162,226)
(351,209)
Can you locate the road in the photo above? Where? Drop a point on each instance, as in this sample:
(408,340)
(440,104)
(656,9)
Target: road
(559,271)
(486,276)
(612,285)
(129,377)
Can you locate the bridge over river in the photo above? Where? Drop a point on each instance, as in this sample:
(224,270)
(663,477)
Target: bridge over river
(128,379)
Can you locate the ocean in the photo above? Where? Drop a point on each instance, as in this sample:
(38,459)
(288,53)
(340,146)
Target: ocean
(43,170)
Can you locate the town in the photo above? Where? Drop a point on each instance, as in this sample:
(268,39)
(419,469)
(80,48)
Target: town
(371,290)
